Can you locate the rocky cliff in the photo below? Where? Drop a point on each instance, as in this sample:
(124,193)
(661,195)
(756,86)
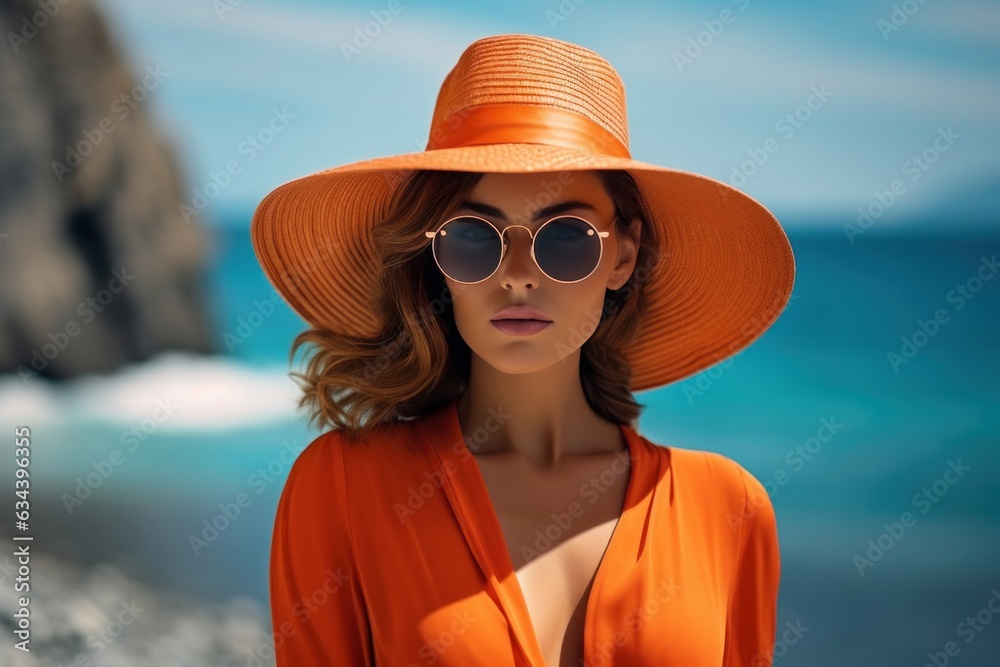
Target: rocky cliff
(97,265)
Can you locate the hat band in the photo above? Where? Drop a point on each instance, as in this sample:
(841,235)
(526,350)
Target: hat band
(528,124)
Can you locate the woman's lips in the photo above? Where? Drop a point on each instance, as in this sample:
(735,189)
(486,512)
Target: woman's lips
(520,327)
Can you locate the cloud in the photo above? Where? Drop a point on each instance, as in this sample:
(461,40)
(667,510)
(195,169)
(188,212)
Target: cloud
(405,40)
(761,59)
(774,60)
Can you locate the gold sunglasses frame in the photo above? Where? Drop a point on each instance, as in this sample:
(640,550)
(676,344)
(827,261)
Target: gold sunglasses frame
(503,251)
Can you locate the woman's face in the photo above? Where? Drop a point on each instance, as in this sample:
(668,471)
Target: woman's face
(573,309)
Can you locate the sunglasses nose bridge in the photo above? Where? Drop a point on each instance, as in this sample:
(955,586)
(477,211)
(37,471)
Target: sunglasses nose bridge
(505,237)
(510,227)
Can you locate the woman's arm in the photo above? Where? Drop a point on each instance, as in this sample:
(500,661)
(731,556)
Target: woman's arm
(753,606)
(318,612)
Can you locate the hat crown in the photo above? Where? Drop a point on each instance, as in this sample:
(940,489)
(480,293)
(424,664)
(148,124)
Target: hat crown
(566,84)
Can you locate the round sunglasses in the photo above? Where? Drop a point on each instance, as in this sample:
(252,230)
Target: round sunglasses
(566,248)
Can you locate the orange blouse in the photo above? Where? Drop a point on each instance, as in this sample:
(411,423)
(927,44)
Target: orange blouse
(390,553)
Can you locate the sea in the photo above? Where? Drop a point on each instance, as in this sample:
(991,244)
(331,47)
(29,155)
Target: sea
(870,410)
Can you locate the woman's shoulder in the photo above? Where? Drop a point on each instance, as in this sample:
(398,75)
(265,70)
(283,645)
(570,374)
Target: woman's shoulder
(335,453)
(716,477)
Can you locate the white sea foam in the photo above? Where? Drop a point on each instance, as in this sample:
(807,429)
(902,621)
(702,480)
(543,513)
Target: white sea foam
(183,392)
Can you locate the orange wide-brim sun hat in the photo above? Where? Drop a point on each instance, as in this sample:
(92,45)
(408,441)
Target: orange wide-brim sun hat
(525,103)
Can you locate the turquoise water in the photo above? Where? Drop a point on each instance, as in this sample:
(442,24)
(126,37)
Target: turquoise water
(827,358)
(846,443)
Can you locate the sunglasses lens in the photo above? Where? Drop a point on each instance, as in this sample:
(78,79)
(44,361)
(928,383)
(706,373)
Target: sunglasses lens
(468,249)
(568,249)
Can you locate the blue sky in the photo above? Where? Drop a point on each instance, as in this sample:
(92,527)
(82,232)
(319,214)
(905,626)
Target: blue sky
(891,94)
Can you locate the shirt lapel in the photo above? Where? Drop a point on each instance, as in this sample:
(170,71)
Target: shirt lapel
(469,497)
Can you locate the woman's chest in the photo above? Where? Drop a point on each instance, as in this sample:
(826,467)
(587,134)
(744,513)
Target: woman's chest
(557,531)
(457,569)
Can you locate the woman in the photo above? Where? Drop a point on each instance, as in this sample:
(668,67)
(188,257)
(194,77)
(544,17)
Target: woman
(482,312)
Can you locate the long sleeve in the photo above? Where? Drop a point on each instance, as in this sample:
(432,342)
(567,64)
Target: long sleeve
(318,612)
(752,619)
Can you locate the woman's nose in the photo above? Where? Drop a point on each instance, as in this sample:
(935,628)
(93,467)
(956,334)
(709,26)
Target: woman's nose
(517,259)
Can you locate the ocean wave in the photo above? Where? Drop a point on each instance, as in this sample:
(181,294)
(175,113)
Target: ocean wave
(200,393)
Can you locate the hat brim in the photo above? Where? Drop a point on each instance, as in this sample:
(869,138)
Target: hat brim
(724,274)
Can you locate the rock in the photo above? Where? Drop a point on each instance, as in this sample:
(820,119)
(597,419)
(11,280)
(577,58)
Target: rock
(98,266)
(97,615)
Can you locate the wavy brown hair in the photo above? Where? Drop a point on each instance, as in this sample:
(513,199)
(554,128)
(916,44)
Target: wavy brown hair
(418,361)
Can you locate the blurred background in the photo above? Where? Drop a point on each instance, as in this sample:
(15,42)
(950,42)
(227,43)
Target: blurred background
(144,348)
